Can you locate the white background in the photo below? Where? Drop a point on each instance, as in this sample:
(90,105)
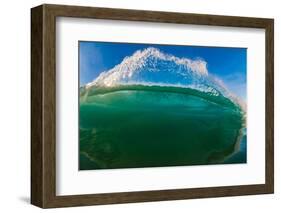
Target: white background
(15,106)
(70,181)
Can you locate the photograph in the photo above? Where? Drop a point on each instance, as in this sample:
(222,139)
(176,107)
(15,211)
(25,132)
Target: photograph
(155,105)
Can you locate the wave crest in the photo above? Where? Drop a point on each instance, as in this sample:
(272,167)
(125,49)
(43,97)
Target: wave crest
(153,67)
(154,62)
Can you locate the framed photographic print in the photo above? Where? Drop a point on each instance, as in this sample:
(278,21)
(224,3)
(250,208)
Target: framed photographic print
(135,106)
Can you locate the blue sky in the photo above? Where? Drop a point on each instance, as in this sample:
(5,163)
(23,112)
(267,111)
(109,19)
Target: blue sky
(228,64)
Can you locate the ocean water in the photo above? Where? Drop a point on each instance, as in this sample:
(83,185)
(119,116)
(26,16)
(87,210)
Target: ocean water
(134,126)
(154,110)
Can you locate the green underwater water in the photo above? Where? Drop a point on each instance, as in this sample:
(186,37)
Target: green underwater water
(153,126)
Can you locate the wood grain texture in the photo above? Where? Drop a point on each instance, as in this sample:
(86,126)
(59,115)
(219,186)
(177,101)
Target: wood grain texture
(36,106)
(43,105)
(269,105)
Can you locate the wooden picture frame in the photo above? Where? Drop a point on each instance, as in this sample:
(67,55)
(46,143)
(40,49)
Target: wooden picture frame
(43,105)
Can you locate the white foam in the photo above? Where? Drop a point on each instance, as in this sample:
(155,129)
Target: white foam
(193,73)
(130,65)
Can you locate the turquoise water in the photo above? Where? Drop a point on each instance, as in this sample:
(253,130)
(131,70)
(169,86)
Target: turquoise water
(133,126)
(241,155)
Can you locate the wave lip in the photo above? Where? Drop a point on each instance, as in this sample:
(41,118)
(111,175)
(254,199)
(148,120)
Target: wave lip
(209,96)
(153,67)
(144,64)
